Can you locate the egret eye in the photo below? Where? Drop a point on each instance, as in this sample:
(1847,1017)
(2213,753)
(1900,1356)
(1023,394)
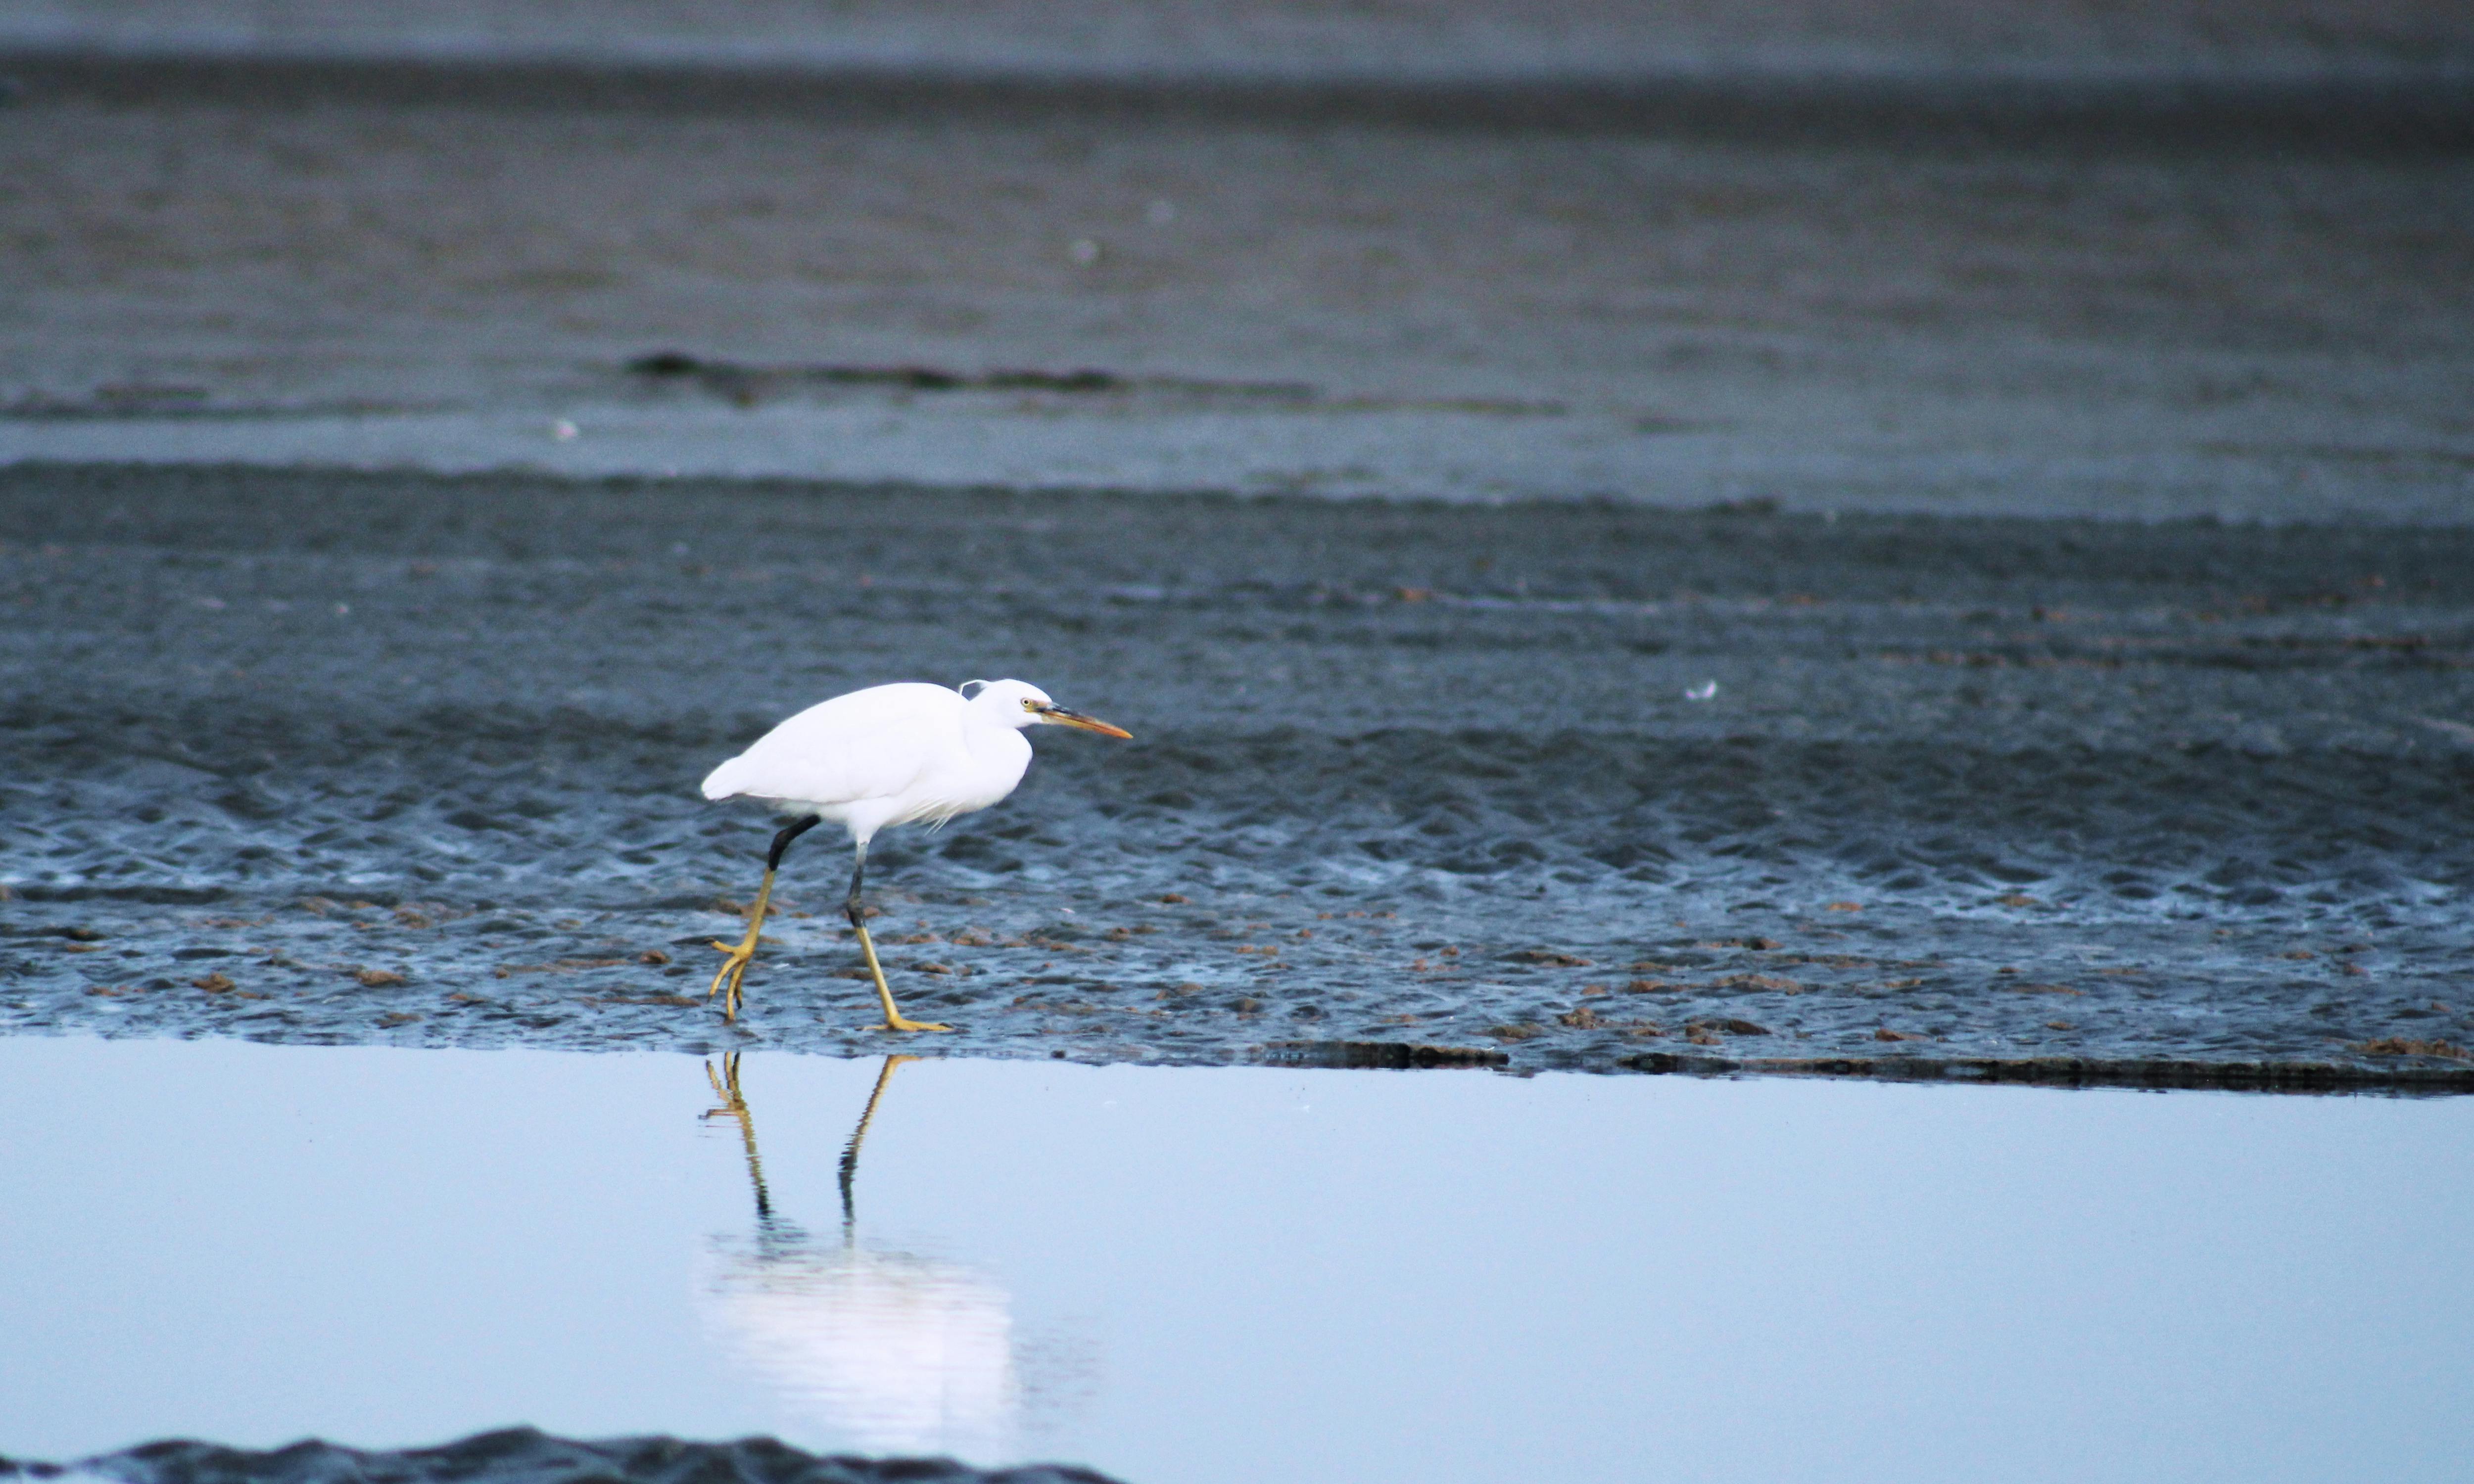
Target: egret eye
(1029,705)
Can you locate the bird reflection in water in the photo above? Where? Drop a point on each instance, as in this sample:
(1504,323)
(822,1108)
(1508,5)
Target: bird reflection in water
(896,1353)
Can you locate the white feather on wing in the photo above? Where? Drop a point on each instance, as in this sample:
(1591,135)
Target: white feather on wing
(846,750)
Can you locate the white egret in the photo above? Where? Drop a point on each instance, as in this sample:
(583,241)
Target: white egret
(874,758)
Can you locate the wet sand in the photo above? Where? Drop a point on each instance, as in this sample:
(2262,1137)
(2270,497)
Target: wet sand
(2237,288)
(406,759)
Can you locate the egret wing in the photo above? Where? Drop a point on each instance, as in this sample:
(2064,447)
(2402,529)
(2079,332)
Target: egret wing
(869,744)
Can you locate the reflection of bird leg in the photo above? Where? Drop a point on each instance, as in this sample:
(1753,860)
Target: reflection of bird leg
(893,1020)
(849,1151)
(726,1088)
(734,967)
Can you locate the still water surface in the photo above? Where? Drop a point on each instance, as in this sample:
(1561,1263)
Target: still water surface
(1244,1273)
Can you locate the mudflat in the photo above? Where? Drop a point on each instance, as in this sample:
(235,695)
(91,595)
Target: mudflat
(412,759)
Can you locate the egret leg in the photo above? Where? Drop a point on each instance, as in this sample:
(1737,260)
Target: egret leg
(735,1106)
(734,967)
(893,1020)
(859,1136)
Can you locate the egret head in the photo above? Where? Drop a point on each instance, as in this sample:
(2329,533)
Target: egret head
(1018,704)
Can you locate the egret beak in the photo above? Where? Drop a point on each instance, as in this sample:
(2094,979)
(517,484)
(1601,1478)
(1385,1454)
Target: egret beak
(1057,715)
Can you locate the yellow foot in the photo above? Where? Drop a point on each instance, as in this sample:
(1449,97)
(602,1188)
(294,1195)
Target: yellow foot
(734,969)
(906,1024)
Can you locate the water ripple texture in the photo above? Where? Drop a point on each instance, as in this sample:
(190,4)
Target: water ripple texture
(402,758)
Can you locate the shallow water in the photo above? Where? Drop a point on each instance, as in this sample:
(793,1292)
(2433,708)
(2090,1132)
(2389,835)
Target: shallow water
(1241,1274)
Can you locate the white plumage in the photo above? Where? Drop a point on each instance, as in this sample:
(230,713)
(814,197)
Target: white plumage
(875,758)
(888,755)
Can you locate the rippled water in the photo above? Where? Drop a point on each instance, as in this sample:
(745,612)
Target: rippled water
(414,759)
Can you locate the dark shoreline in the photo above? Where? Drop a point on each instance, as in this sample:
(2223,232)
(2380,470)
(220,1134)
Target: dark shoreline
(526,1455)
(2401,111)
(2048,1071)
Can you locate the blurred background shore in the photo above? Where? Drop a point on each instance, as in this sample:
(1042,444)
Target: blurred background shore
(2082,260)
(1455,39)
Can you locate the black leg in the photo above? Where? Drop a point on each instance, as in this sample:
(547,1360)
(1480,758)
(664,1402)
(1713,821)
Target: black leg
(858,910)
(788,832)
(854,907)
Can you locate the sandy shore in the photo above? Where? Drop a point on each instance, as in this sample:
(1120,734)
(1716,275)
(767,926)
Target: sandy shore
(1950,292)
